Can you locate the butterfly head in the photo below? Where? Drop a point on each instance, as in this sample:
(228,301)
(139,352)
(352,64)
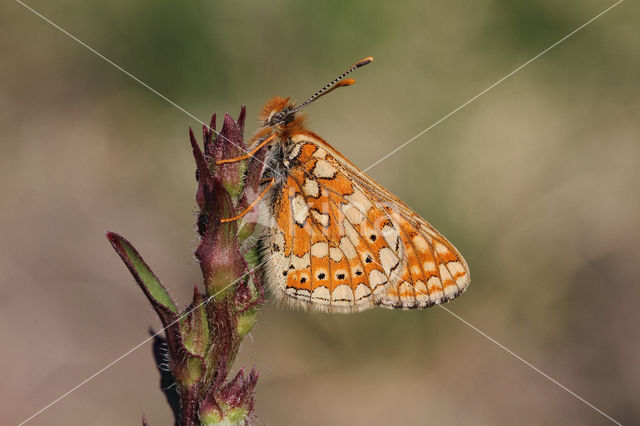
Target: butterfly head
(280,112)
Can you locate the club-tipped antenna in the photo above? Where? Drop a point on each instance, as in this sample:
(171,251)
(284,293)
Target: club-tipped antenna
(334,84)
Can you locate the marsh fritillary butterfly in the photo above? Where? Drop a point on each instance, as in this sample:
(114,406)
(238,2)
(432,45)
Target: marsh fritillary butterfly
(335,240)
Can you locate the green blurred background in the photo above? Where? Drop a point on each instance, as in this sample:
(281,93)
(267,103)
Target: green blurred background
(536,182)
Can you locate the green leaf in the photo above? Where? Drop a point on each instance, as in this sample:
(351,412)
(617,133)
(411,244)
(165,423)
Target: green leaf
(246,322)
(192,371)
(143,275)
(194,327)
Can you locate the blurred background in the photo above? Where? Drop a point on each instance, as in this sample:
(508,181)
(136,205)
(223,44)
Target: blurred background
(536,182)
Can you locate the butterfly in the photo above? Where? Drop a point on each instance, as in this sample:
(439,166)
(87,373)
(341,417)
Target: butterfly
(335,240)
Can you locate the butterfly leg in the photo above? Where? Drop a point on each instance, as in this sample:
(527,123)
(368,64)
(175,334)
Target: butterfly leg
(251,206)
(248,154)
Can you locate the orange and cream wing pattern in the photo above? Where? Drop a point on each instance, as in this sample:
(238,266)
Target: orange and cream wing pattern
(329,244)
(434,272)
(339,242)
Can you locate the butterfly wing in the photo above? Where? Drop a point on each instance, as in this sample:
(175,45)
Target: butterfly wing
(329,246)
(337,241)
(434,271)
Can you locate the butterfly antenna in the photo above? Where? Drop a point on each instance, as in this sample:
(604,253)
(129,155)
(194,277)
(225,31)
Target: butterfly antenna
(334,84)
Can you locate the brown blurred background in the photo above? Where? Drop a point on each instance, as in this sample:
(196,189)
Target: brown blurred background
(536,183)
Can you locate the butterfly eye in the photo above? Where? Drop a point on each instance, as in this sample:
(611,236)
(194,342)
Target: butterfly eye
(277,118)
